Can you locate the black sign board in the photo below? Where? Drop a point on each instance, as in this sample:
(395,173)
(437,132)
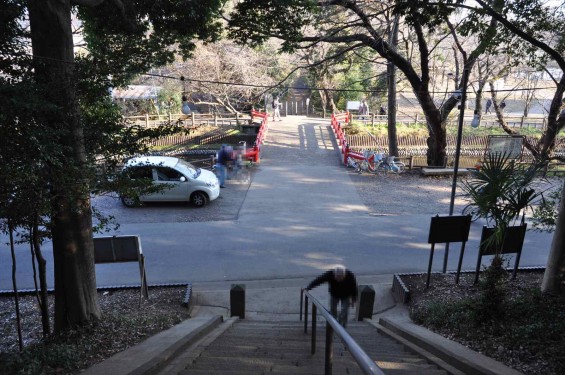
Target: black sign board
(118,249)
(447,229)
(512,244)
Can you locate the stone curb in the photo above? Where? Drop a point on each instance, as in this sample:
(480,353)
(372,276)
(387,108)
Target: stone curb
(156,352)
(454,354)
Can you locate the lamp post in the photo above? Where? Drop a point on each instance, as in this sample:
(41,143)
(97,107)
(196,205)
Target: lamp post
(463,94)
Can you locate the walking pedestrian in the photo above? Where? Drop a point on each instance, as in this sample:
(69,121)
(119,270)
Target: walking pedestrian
(342,287)
(488,105)
(222,160)
(502,106)
(363,109)
(276,108)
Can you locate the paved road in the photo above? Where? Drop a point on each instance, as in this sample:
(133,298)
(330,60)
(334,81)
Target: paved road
(301,215)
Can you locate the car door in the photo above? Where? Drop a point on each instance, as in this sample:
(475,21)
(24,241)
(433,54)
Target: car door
(175,190)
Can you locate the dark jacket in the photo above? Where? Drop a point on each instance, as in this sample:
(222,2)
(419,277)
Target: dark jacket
(342,289)
(223,156)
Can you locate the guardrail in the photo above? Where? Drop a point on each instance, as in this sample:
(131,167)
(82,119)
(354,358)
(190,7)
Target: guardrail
(337,121)
(366,364)
(253,154)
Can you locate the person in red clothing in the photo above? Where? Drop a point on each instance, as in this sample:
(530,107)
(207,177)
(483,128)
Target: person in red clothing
(342,287)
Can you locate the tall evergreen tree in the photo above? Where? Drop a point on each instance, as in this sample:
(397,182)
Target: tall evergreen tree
(122,38)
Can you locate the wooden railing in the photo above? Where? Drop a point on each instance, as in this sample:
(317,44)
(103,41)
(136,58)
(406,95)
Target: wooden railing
(216,139)
(192,120)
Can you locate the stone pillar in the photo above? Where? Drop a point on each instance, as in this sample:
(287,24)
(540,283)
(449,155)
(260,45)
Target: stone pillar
(366,302)
(237,300)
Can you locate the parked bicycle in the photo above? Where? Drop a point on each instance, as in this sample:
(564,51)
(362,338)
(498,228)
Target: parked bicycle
(372,162)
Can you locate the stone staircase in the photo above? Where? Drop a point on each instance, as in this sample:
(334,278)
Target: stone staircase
(266,347)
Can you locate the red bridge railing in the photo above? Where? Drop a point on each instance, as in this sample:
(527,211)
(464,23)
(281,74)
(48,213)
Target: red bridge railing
(337,120)
(253,154)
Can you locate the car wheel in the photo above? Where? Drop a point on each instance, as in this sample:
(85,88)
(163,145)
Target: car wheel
(130,201)
(198,198)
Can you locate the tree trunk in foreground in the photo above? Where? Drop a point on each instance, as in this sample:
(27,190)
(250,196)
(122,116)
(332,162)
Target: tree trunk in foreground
(391,78)
(554,276)
(76,300)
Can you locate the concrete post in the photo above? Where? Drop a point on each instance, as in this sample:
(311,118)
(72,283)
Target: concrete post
(366,302)
(237,300)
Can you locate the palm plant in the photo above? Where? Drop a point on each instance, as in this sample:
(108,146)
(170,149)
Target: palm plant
(500,192)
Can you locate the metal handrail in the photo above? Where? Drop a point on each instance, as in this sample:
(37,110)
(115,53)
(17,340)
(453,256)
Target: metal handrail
(366,364)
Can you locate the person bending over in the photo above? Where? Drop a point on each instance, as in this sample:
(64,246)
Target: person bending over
(342,287)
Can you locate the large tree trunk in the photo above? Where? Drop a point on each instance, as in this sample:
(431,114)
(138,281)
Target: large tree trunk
(76,300)
(554,276)
(437,139)
(553,124)
(391,78)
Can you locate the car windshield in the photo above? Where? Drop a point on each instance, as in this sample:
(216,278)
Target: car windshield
(188,169)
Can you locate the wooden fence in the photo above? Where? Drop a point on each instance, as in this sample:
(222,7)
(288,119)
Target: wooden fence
(192,120)
(176,140)
(471,146)
(538,122)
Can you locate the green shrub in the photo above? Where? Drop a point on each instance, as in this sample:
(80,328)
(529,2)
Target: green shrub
(39,358)
(445,314)
(489,306)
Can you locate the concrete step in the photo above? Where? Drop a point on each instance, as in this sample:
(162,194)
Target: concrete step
(250,347)
(237,351)
(404,361)
(295,370)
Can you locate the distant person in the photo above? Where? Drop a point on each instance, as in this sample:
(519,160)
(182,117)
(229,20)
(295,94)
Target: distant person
(382,111)
(363,109)
(488,105)
(502,106)
(342,287)
(276,108)
(222,160)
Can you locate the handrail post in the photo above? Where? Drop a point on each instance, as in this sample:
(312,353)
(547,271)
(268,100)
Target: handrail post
(329,349)
(301,301)
(314,312)
(306,314)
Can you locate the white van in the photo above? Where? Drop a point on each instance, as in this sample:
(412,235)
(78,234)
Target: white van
(186,183)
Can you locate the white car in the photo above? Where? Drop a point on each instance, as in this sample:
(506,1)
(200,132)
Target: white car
(186,183)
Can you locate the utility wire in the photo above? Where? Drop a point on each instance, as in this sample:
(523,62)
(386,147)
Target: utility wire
(184,79)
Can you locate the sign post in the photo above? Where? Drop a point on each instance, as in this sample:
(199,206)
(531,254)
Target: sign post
(117,249)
